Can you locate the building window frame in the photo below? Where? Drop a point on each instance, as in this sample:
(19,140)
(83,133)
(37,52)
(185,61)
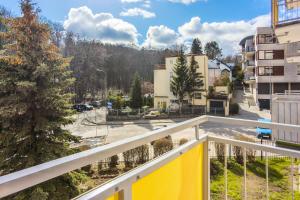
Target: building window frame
(270,54)
(298,69)
(263,70)
(266,39)
(198,95)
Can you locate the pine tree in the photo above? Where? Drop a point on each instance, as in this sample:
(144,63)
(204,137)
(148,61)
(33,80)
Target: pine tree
(196,79)
(196,47)
(212,50)
(136,92)
(180,80)
(34,103)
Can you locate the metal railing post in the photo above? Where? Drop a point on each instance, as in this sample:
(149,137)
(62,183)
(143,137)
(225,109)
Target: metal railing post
(267,176)
(245,172)
(126,193)
(225,171)
(292,175)
(197,132)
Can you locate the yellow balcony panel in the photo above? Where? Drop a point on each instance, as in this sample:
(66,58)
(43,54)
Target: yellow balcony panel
(180,179)
(114,197)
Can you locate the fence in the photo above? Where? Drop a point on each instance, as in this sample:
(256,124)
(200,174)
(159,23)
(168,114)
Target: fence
(136,114)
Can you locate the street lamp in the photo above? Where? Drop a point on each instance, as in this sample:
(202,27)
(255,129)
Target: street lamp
(105,94)
(105,83)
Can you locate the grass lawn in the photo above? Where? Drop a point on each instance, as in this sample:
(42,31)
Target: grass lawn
(279,180)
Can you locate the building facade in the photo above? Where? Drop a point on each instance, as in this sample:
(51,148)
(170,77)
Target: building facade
(267,67)
(216,69)
(163,96)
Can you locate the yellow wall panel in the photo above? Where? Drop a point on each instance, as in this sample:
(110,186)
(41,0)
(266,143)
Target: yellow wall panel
(180,179)
(114,197)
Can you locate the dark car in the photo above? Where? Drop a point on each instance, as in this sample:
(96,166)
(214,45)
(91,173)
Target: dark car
(82,107)
(96,104)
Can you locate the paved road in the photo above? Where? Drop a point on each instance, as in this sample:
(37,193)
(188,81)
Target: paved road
(110,133)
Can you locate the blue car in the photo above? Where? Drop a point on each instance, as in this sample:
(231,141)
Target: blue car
(264,132)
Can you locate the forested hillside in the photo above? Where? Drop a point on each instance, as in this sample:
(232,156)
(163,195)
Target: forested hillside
(91,58)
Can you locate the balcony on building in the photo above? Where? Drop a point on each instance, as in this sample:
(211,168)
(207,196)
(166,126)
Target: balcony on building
(183,173)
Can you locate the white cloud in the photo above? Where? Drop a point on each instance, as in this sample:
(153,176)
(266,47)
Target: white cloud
(186,2)
(227,34)
(138,12)
(102,26)
(131,1)
(146,3)
(160,37)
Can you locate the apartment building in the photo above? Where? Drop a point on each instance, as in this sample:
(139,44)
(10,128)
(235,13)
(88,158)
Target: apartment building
(163,96)
(266,66)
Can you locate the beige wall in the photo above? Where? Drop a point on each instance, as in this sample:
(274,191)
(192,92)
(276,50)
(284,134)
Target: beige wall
(162,80)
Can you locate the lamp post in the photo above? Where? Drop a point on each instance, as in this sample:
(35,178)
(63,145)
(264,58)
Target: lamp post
(105,93)
(105,83)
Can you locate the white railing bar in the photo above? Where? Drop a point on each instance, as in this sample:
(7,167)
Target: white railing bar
(255,146)
(132,176)
(252,123)
(26,178)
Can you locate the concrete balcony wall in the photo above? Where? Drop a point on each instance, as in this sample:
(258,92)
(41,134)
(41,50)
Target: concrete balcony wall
(265,63)
(290,73)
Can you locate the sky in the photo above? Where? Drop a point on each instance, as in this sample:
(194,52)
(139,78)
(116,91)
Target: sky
(157,23)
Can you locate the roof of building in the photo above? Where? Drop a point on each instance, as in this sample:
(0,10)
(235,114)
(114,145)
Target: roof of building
(243,41)
(159,66)
(216,64)
(230,65)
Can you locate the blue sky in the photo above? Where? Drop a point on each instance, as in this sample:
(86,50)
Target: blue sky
(157,23)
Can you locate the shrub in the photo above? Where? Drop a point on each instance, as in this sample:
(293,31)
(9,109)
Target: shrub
(113,161)
(216,168)
(162,146)
(238,154)
(234,108)
(220,151)
(87,169)
(129,158)
(142,154)
(250,153)
(183,141)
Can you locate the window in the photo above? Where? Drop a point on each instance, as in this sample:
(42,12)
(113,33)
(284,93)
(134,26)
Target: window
(278,54)
(271,55)
(298,69)
(271,71)
(198,96)
(266,39)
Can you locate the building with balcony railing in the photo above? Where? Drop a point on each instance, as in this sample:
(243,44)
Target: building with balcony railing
(286,25)
(270,66)
(183,173)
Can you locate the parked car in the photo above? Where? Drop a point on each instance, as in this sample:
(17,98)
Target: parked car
(88,107)
(82,107)
(96,104)
(264,133)
(152,114)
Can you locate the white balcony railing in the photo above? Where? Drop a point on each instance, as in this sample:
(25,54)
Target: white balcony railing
(26,178)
